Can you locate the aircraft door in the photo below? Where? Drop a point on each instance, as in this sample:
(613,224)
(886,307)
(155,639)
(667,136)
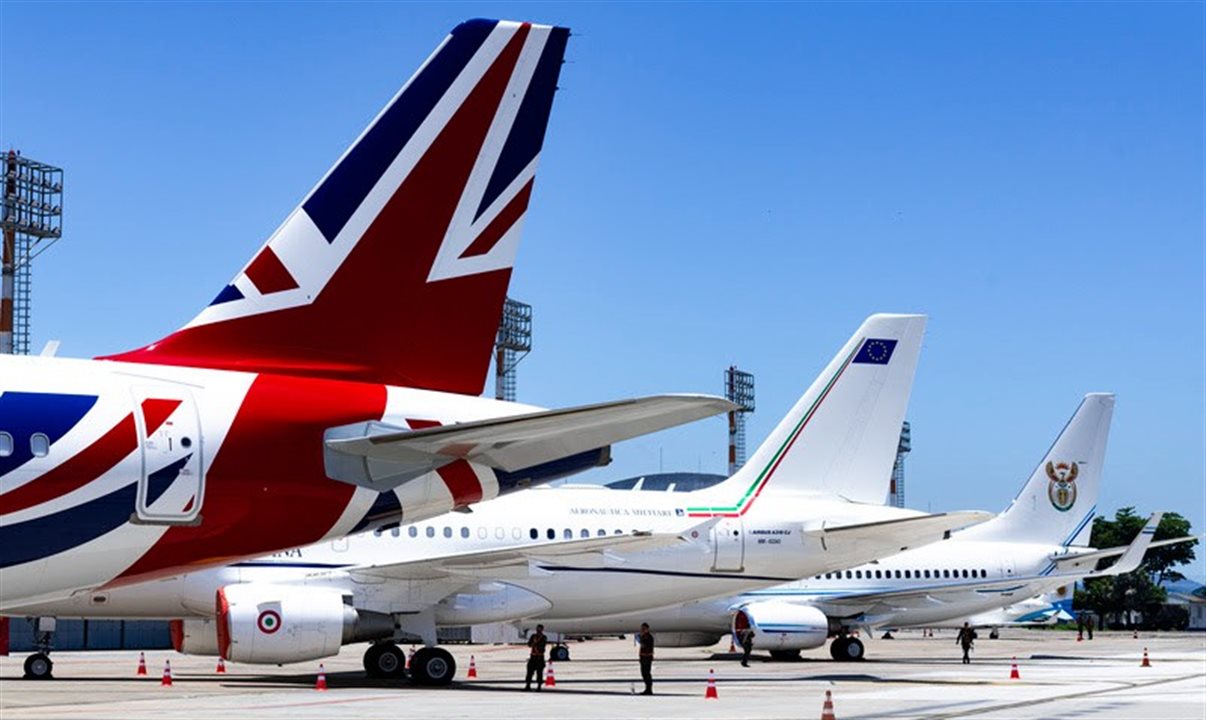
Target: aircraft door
(171,486)
(729,537)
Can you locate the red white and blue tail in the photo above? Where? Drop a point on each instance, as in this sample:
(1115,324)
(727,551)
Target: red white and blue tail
(395,267)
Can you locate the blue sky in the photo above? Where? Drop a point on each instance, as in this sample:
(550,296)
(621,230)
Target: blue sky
(720,184)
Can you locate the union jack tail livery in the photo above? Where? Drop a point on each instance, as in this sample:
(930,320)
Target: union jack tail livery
(395,266)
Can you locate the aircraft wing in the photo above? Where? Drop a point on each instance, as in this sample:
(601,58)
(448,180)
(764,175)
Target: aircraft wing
(381,456)
(523,561)
(1131,555)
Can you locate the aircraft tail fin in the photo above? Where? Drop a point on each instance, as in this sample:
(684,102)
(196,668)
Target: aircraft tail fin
(840,438)
(394,268)
(1058,502)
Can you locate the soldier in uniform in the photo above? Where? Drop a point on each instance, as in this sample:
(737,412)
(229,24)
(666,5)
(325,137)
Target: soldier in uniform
(747,646)
(645,655)
(966,638)
(537,642)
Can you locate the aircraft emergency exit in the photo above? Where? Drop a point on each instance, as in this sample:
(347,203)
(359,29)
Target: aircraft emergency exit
(332,383)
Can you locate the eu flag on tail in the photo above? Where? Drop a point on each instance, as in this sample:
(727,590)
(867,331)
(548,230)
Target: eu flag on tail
(875,351)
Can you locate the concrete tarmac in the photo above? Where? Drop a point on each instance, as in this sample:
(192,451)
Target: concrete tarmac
(909,677)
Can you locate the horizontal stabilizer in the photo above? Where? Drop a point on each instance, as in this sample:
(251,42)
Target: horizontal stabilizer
(902,533)
(495,563)
(382,457)
(1131,555)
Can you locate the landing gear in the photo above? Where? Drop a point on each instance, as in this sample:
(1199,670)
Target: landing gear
(994,634)
(785,655)
(432,666)
(559,653)
(38,667)
(384,660)
(847,648)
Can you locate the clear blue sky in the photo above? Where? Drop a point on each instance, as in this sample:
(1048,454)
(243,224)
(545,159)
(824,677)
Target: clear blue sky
(720,184)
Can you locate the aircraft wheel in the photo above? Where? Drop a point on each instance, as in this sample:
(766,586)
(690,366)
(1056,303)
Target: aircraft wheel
(432,666)
(384,660)
(785,655)
(837,648)
(994,634)
(38,667)
(853,649)
(559,653)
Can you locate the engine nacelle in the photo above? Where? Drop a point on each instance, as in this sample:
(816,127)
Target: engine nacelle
(262,623)
(493,602)
(194,636)
(781,625)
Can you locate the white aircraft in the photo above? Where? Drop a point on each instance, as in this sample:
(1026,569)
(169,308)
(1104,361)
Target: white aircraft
(808,501)
(333,383)
(1027,550)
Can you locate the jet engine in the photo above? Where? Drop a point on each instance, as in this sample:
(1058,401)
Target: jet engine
(781,625)
(194,636)
(263,623)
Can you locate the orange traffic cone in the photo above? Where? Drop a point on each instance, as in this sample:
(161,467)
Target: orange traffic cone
(472,668)
(710,693)
(1013,671)
(221,669)
(321,684)
(167,674)
(827,708)
(1146,662)
(550,680)
(142,664)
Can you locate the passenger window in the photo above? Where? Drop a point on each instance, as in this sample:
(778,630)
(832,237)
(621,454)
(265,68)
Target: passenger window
(909,574)
(601,532)
(897,574)
(965,573)
(551,533)
(618,532)
(482,533)
(878,575)
(533,533)
(430,531)
(395,531)
(983,573)
(447,531)
(858,574)
(946,573)
(516,533)
(413,531)
(499,533)
(849,574)
(39,445)
(585,533)
(6,444)
(927,574)
(465,532)
(568,534)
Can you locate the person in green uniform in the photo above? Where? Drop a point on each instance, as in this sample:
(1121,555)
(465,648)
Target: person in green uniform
(645,655)
(537,642)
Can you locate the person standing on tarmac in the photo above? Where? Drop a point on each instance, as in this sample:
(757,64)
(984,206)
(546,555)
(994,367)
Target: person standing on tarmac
(645,655)
(747,646)
(537,642)
(966,638)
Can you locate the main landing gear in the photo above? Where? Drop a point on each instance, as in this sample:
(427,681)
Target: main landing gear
(559,653)
(846,648)
(431,666)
